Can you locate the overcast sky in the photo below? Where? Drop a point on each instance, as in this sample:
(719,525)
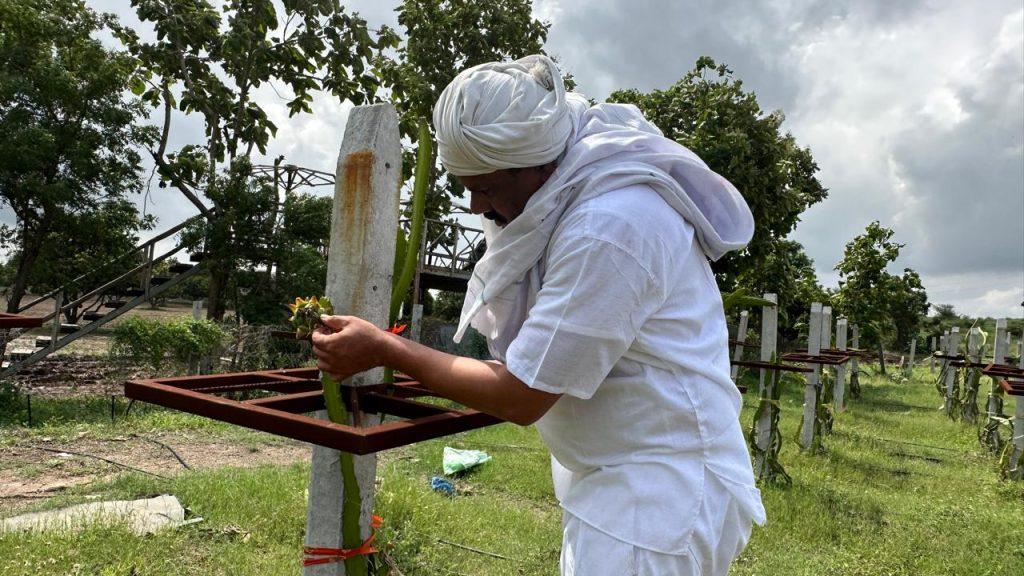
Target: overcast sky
(914,111)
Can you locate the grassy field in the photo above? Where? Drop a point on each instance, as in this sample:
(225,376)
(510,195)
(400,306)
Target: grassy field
(902,490)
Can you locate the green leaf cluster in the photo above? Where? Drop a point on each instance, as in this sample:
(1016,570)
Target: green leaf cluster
(155,341)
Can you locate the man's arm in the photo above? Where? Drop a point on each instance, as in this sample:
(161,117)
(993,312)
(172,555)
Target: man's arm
(356,345)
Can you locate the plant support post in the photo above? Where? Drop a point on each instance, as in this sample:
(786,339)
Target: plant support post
(769,334)
(952,345)
(839,391)
(359,276)
(807,431)
(741,337)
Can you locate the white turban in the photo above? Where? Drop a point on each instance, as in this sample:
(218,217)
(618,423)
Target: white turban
(505,115)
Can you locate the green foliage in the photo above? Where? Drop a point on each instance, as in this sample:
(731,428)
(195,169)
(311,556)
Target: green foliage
(448,305)
(68,156)
(709,112)
(444,37)
(944,317)
(153,341)
(739,299)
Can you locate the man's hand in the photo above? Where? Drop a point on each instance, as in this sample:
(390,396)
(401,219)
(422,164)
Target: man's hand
(347,345)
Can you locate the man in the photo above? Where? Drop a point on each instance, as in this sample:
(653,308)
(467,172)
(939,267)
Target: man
(601,310)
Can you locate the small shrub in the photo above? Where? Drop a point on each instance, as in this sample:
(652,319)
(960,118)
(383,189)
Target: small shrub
(154,341)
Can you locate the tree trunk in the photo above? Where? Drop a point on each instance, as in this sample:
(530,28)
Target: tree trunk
(29,254)
(215,307)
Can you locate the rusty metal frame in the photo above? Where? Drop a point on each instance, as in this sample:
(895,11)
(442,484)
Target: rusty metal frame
(8,320)
(1013,389)
(771,366)
(300,393)
(823,359)
(766,366)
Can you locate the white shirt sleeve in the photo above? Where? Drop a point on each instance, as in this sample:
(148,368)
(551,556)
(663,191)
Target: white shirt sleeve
(595,296)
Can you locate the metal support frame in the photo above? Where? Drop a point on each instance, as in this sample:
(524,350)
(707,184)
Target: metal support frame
(300,393)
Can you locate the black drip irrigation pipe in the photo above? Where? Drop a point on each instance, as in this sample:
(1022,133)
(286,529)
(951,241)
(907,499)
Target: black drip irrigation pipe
(168,448)
(86,455)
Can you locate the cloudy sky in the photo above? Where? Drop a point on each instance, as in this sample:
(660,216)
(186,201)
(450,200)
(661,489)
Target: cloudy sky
(914,111)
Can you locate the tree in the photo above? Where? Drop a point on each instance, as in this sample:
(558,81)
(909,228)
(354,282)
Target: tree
(908,307)
(68,152)
(209,59)
(709,112)
(879,302)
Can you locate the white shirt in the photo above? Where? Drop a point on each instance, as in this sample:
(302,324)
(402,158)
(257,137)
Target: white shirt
(625,320)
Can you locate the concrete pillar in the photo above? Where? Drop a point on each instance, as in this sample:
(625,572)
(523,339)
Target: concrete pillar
(931,360)
(855,362)
(999,350)
(1018,429)
(952,345)
(741,337)
(811,389)
(913,351)
(359,271)
(826,327)
(769,336)
(197,309)
(839,389)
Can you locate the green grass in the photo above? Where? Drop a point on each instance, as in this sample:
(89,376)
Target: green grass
(902,490)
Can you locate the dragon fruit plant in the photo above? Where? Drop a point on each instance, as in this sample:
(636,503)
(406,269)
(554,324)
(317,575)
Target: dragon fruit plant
(305,318)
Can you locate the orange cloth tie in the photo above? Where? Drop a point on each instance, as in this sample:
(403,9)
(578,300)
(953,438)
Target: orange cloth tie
(328,555)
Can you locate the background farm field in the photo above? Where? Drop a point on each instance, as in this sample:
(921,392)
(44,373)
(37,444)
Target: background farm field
(901,490)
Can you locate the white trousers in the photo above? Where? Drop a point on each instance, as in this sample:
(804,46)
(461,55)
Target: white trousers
(720,532)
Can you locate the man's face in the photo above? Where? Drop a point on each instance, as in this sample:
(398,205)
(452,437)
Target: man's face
(501,196)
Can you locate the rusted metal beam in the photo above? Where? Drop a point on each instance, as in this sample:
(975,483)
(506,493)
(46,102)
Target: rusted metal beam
(771,366)
(1005,371)
(1011,388)
(283,414)
(823,359)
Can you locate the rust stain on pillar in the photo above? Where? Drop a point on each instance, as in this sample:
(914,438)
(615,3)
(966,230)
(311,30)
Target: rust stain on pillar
(356,206)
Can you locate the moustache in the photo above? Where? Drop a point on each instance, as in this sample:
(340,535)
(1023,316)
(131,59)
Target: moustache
(495,217)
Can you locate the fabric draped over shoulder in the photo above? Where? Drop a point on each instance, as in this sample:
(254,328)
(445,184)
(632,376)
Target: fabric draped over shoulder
(510,115)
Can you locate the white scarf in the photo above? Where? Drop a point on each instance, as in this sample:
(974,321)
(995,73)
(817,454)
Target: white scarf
(605,148)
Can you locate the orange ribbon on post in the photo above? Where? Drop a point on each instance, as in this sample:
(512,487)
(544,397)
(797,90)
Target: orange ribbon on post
(328,555)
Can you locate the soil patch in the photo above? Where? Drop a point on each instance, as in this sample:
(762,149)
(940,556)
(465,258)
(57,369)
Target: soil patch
(30,473)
